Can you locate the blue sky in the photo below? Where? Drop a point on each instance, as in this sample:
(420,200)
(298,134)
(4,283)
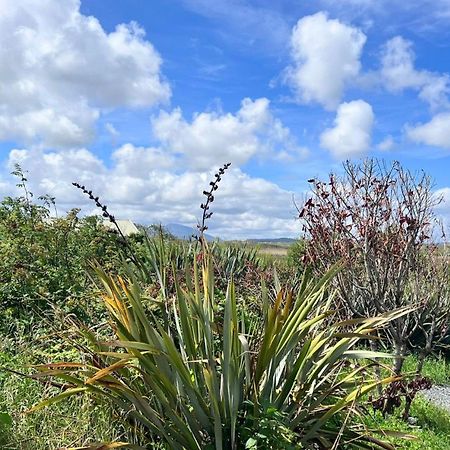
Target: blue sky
(142,100)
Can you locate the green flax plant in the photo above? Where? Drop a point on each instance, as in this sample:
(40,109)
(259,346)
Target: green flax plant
(235,260)
(196,383)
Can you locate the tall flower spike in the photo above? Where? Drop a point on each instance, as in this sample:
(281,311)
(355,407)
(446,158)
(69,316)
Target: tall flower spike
(107,215)
(202,227)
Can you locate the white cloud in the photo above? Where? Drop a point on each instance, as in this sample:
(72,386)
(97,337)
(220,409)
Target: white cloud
(326,56)
(386,144)
(351,134)
(60,68)
(164,183)
(111,129)
(436,132)
(51,172)
(244,206)
(139,161)
(398,73)
(71,126)
(212,138)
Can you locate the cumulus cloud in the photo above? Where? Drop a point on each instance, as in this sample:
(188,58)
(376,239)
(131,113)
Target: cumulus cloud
(163,183)
(436,132)
(71,126)
(139,161)
(212,136)
(60,69)
(53,171)
(398,73)
(326,56)
(386,144)
(351,134)
(158,193)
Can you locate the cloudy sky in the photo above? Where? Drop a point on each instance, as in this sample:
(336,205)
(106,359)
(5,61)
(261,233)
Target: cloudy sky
(142,100)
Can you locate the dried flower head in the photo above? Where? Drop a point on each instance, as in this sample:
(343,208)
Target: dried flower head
(107,215)
(214,185)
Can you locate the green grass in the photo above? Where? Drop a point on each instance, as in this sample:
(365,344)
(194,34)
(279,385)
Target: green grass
(432,431)
(437,369)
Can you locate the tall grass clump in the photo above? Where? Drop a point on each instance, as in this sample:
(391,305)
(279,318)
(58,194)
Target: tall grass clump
(203,381)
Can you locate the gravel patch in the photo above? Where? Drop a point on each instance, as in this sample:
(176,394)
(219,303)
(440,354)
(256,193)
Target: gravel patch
(439,395)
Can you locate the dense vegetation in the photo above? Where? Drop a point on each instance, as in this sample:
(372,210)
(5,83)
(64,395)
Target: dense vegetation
(151,342)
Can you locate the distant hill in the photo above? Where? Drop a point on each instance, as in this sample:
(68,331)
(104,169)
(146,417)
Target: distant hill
(272,241)
(184,232)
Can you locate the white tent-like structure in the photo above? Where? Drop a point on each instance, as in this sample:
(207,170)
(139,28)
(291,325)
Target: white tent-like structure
(127,227)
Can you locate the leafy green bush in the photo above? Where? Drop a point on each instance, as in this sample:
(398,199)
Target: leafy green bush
(44,259)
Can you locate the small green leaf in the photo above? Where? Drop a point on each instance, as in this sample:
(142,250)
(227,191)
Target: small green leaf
(5,419)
